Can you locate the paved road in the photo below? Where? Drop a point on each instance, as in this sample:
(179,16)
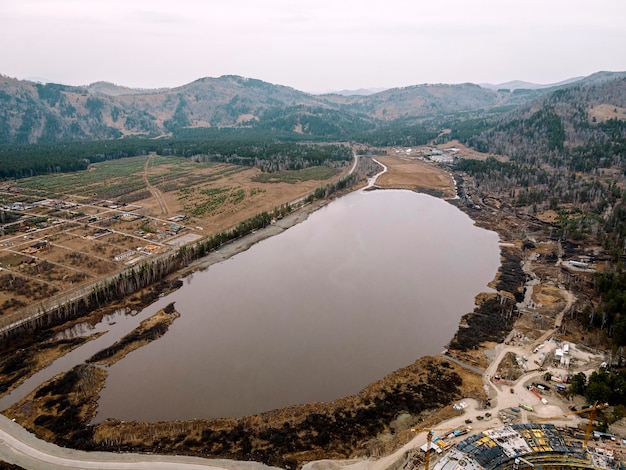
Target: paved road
(19,447)
(467,366)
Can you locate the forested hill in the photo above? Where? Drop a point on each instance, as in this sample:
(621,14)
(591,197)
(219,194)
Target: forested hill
(567,154)
(430,101)
(580,127)
(33,112)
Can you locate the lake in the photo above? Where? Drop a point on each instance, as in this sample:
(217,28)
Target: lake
(366,285)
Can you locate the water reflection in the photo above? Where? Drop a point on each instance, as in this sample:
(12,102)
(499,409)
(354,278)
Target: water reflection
(366,285)
(85,329)
(112,327)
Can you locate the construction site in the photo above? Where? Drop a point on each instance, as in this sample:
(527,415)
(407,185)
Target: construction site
(525,446)
(485,441)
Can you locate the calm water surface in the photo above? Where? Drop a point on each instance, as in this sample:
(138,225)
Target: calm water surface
(365,286)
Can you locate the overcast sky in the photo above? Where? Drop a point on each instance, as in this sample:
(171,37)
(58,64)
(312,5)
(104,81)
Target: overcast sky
(311,45)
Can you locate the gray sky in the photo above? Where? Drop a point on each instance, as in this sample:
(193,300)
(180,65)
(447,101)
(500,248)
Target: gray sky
(311,45)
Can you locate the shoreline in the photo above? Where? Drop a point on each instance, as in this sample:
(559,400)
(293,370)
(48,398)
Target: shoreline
(246,242)
(301,214)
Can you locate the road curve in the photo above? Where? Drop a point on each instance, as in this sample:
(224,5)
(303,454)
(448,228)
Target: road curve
(19,447)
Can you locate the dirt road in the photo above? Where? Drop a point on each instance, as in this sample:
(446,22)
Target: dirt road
(154,191)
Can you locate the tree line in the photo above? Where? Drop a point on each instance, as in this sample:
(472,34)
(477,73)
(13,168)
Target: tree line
(19,161)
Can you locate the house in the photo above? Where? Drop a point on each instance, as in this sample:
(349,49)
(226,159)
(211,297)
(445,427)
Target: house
(40,245)
(36,247)
(125,255)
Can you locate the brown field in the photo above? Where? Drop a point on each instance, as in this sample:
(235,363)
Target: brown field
(416,175)
(466,152)
(98,249)
(549,299)
(52,272)
(604,112)
(16,286)
(77,259)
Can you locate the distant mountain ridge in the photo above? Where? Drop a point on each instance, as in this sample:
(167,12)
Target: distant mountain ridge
(519,84)
(597,77)
(357,92)
(35,112)
(111,89)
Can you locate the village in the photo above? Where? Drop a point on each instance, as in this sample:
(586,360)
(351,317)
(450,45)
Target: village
(64,245)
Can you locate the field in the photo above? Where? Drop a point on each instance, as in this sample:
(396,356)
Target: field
(416,175)
(63,232)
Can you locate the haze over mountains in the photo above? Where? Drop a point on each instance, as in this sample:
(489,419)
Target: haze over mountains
(517,84)
(33,112)
(512,85)
(357,92)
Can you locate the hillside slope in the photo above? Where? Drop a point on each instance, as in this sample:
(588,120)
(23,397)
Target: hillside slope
(33,112)
(582,126)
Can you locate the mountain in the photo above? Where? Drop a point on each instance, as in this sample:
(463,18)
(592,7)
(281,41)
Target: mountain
(35,112)
(597,77)
(420,101)
(519,84)
(601,77)
(111,89)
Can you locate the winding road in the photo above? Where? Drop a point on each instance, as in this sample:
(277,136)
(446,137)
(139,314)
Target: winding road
(19,447)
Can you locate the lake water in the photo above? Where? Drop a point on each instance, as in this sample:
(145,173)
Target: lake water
(366,285)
